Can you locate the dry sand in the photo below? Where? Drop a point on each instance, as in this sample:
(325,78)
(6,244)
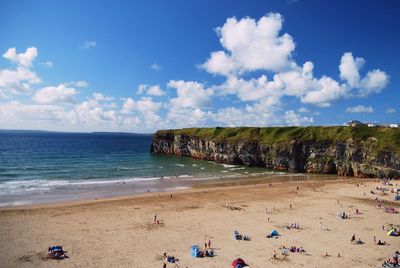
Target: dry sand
(120,232)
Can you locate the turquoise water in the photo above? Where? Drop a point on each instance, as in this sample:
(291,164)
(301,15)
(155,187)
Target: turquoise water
(34,162)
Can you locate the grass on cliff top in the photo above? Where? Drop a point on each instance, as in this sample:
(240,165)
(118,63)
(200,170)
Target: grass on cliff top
(388,138)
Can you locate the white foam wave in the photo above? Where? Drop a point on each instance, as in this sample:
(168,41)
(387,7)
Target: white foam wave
(228,166)
(241,168)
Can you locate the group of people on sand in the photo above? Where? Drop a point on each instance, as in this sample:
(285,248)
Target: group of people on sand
(292,226)
(285,251)
(394,261)
(354,241)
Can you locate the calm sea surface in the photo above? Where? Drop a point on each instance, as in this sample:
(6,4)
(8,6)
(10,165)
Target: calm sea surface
(37,162)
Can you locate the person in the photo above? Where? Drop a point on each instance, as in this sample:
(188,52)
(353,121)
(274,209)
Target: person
(209,243)
(164,265)
(155,218)
(374,240)
(290,206)
(320,225)
(353,238)
(205,245)
(381,243)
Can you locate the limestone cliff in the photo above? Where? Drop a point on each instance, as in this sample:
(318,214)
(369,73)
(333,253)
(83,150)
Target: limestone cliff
(351,151)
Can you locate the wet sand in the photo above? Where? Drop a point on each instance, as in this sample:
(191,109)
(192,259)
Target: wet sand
(120,232)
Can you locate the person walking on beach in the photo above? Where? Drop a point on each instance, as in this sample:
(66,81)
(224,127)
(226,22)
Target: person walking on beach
(320,225)
(374,240)
(155,218)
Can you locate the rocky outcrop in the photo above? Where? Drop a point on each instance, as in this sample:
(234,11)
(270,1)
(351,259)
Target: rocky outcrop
(351,158)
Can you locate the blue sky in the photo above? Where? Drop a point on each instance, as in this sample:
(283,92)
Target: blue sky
(140,66)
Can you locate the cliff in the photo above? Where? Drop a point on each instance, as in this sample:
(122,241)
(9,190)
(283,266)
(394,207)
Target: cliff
(351,151)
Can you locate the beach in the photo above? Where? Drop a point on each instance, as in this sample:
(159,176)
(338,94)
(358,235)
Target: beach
(120,231)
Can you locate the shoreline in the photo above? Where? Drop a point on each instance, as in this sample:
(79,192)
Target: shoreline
(129,189)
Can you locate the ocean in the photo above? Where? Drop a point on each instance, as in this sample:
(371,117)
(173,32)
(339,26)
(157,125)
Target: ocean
(37,167)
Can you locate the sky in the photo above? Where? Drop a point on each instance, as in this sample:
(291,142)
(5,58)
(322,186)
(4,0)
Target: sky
(139,66)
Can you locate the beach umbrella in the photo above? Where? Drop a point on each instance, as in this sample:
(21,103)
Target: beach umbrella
(237,262)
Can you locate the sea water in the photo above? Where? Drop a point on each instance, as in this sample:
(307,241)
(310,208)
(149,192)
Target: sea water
(36,164)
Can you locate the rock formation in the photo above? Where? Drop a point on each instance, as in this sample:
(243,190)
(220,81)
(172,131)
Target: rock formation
(346,152)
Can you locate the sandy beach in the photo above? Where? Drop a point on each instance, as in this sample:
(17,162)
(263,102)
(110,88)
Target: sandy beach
(120,232)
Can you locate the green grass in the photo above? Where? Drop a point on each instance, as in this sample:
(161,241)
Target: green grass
(380,138)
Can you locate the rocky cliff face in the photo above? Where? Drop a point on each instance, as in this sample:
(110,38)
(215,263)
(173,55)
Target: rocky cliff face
(359,159)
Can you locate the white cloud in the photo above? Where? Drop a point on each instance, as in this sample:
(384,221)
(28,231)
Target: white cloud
(88,44)
(360,109)
(190,94)
(349,69)
(326,91)
(154,90)
(143,105)
(97,96)
(252,45)
(46,64)
(156,67)
(81,84)
(55,95)
(21,59)
(294,119)
(19,80)
(390,111)
(373,82)
(303,110)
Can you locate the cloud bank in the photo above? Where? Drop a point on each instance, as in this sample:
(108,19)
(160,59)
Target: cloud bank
(259,74)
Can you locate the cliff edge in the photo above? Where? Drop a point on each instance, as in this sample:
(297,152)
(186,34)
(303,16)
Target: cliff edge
(351,151)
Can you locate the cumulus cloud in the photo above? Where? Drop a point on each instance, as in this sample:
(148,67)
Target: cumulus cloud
(373,82)
(390,111)
(190,94)
(156,67)
(18,80)
(360,109)
(293,119)
(261,81)
(21,59)
(251,45)
(55,95)
(154,90)
(143,105)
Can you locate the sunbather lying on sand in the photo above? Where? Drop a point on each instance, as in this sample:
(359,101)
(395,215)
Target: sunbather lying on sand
(170,259)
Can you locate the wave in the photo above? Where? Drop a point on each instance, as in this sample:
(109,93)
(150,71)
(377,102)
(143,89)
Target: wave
(43,185)
(241,168)
(228,166)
